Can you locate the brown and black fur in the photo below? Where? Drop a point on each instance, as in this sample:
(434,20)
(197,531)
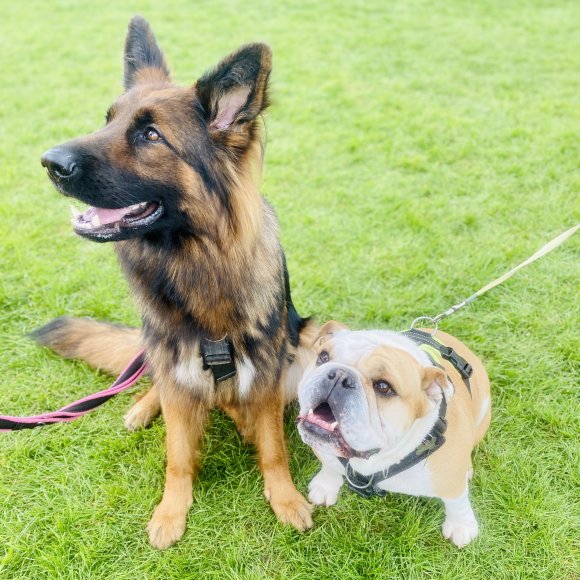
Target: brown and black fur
(211,266)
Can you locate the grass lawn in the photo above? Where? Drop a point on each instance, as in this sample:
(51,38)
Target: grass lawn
(416,150)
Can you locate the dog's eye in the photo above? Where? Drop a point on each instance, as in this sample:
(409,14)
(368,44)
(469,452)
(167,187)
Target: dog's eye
(384,388)
(151,134)
(323,357)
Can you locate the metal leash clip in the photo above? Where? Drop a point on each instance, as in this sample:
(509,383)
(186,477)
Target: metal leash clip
(430,319)
(360,484)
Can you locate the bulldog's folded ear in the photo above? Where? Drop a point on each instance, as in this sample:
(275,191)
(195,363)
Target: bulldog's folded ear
(434,382)
(235,92)
(326,331)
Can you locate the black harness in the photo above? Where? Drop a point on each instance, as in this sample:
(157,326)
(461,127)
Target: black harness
(459,363)
(367,485)
(218,355)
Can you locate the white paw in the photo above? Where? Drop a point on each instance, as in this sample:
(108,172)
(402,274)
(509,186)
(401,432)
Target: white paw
(324,488)
(459,532)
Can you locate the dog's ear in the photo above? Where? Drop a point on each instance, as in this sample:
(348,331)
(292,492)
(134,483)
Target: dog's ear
(144,61)
(327,330)
(433,380)
(235,92)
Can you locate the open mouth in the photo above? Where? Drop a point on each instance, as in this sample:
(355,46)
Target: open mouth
(102,224)
(322,423)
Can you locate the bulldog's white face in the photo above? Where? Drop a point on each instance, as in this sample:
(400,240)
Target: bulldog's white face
(365,391)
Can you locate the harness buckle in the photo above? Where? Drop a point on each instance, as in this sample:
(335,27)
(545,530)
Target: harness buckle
(460,364)
(218,356)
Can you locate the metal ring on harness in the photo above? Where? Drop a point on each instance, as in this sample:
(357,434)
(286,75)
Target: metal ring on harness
(430,319)
(350,481)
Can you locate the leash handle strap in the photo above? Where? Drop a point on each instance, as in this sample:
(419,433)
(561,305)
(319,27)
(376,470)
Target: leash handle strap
(545,249)
(132,373)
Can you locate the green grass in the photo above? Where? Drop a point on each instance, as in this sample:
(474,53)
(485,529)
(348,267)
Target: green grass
(416,151)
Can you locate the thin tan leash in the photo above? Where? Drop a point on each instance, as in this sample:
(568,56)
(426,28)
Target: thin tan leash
(546,249)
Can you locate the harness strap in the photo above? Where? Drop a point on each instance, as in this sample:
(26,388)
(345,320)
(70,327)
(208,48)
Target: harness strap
(458,362)
(135,369)
(367,485)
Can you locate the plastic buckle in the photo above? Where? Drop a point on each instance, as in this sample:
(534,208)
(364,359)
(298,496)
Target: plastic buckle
(218,356)
(461,365)
(218,352)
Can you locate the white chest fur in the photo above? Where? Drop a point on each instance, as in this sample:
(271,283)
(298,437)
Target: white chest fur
(190,373)
(416,480)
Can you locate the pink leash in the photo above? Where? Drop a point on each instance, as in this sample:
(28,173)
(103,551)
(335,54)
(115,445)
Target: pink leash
(134,371)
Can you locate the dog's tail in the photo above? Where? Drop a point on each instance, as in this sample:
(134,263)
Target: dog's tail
(103,345)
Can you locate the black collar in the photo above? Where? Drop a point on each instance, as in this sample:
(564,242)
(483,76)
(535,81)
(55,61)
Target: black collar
(367,485)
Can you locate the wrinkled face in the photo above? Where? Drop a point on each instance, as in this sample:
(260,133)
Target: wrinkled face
(167,156)
(364,392)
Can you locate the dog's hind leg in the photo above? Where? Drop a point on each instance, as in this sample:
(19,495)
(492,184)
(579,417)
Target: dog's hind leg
(238,416)
(185,418)
(144,410)
(264,426)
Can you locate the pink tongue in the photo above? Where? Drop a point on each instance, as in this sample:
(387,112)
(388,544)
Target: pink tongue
(108,216)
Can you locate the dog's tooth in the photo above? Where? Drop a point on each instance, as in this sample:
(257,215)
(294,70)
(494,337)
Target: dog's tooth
(75,212)
(311,411)
(96,221)
(333,426)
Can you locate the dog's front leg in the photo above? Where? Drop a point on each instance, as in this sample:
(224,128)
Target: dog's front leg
(325,486)
(267,433)
(185,418)
(460,525)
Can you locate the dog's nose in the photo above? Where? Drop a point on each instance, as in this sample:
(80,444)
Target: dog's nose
(60,163)
(341,377)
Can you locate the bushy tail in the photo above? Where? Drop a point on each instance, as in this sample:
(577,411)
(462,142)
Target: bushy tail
(103,345)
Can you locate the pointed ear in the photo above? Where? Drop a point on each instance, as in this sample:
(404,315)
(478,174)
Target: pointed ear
(235,92)
(433,380)
(143,59)
(326,331)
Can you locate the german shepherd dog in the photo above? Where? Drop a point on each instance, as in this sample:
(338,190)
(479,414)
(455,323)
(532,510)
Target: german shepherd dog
(172,179)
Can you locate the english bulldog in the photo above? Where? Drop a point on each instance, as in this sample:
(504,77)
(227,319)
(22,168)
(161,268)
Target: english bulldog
(380,403)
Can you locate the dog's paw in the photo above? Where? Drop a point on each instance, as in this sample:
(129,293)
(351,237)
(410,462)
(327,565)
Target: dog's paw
(165,528)
(139,415)
(291,508)
(324,488)
(459,532)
